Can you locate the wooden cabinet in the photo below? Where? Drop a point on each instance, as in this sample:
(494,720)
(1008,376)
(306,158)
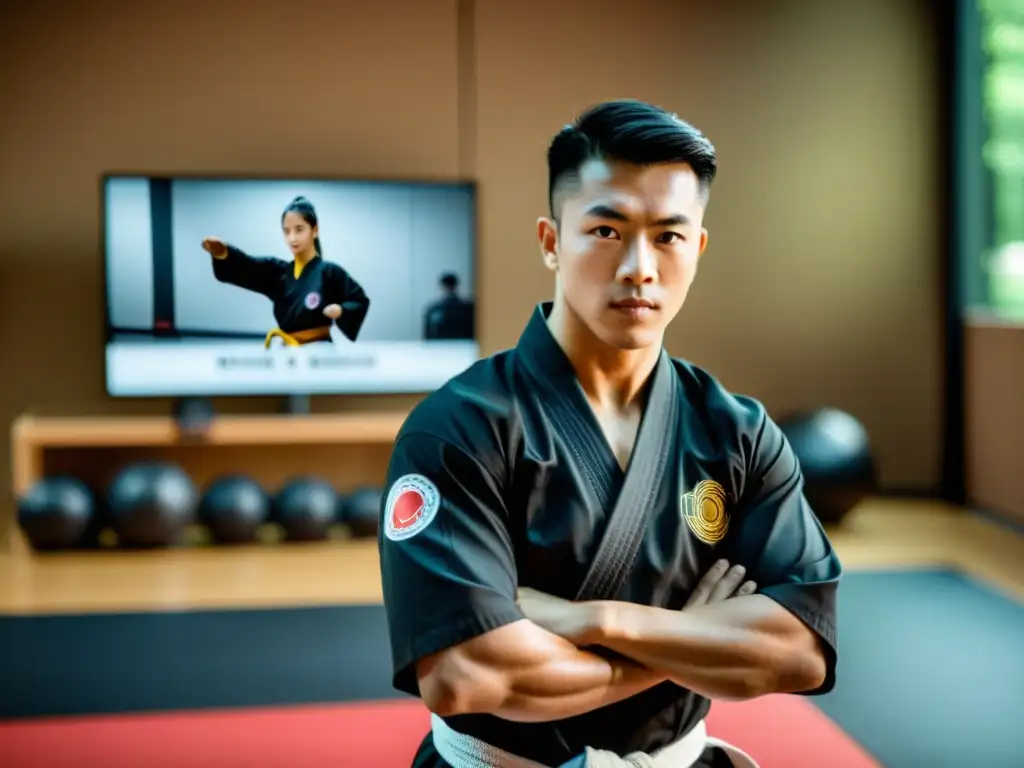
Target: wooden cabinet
(348,450)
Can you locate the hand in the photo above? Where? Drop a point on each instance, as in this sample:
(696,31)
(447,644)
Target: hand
(332,311)
(215,247)
(720,583)
(576,622)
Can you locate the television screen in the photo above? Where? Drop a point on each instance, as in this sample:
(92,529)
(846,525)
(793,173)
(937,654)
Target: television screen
(284,287)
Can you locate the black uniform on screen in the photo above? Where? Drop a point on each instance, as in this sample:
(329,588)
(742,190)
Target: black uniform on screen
(298,301)
(450,318)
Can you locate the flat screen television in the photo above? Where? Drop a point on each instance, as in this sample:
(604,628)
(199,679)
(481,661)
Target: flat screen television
(397,259)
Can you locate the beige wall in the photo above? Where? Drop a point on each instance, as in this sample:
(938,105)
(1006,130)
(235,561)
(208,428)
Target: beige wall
(821,281)
(993,372)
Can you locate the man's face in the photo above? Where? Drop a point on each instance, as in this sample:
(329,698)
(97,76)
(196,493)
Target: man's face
(626,248)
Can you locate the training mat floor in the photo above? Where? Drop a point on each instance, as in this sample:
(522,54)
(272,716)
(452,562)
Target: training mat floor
(930,674)
(931,670)
(783,732)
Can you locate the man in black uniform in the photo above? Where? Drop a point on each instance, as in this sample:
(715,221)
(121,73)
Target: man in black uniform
(451,316)
(551,512)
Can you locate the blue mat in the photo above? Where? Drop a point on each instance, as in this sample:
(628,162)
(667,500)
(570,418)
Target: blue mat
(160,661)
(931,670)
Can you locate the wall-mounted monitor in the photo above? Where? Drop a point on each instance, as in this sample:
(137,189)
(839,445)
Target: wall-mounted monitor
(272,286)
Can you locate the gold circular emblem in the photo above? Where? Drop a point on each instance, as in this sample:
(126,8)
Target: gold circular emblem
(704,510)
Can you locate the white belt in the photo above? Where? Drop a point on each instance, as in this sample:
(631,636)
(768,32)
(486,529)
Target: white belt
(462,751)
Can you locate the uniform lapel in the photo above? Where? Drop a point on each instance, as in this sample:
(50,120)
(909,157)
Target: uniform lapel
(566,406)
(627,499)
(651,459)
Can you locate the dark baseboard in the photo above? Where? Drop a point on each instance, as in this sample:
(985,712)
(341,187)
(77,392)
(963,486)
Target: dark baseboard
(180,333)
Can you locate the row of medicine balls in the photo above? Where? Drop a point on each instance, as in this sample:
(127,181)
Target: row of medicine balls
(149,504)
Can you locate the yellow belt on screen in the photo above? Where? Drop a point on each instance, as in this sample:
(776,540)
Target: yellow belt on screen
(298,338)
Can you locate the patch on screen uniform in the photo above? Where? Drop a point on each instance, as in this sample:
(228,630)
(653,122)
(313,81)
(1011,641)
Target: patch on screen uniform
(312,300)
(411,506)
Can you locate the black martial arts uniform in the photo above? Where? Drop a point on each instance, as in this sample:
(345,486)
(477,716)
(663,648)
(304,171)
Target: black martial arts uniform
(502,478)
(298,301)
(450,318)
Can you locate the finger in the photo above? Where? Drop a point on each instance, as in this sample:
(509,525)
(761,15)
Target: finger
(747,588)
(700,593)
(725,587)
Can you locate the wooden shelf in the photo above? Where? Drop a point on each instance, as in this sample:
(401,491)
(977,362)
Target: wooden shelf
(83,432)
(348,449)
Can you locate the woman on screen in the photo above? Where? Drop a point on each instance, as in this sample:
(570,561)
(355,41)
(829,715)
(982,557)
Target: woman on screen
(308,293)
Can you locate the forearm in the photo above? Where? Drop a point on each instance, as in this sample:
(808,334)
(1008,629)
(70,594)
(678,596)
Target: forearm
(531,675)
(570,686)
(737,649)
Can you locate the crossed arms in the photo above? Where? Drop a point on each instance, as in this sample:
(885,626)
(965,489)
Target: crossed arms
(727,643)
(467,640)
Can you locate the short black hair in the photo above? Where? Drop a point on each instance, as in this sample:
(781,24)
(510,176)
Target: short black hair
(628,131)
(450,281)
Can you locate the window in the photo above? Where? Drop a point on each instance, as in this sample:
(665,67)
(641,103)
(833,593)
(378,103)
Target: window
(994,70)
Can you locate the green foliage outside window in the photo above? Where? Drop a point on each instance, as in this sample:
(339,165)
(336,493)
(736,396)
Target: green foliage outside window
(1002,29)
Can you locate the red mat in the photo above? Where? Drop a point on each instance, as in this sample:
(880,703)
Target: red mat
(778,731)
